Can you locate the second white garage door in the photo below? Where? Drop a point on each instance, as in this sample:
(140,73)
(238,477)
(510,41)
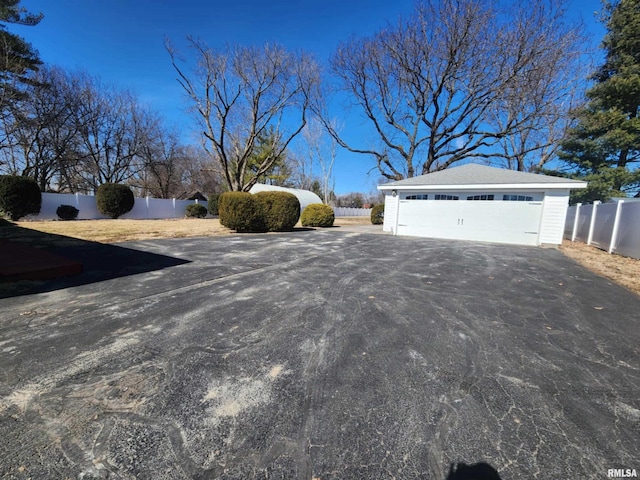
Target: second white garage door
(485,221)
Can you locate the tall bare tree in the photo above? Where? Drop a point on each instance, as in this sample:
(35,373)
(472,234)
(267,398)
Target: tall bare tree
(43,129)
(542,99)
(238,93)
(442,85)
(112,129)
(315,159)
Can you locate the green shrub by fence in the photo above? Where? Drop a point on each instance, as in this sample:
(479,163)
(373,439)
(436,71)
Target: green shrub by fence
(377,214)
(19,196)
(240,211)
(67,212)
(317,215)
(114,199)
(195,210)
(280,211)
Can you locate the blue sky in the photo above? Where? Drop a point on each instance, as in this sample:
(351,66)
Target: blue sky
(122,42)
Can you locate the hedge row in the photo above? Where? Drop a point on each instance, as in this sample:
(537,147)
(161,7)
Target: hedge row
(260,212)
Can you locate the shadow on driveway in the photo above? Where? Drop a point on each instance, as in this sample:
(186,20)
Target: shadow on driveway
(99,261)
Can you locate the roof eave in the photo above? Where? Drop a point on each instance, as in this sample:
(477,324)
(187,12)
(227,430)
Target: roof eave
(490,186)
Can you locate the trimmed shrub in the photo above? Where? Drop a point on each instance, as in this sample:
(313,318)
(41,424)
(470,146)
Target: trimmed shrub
(19,196)
(280,211)
(67,212)
(114,199)
(240,211)
(377,214)
(195,210)
(317,215)
(213,203)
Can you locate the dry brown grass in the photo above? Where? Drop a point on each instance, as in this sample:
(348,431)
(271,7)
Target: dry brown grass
(622,270)
(122,230)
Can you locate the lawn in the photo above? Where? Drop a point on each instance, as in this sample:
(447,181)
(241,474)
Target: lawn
(123,230)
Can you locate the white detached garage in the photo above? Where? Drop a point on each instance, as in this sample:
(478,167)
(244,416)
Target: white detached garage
(479,203)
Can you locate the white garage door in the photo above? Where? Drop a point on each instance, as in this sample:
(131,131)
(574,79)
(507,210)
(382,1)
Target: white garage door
(485,221)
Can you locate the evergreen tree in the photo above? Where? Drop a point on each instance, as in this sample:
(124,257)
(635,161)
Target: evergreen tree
(604,147)
(17,57)
(266,147)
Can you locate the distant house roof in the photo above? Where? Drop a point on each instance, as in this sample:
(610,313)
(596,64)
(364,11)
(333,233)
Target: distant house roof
(192,195)
(474,176)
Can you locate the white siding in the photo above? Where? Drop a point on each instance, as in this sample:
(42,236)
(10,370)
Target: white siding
(554,213)
(390,213)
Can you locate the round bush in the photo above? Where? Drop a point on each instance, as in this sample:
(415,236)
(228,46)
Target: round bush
(317,215)
(213,203)
(114,199)
(67,212)
(377,214)
(195,210)
(240,211)
(19,196)
(280,210)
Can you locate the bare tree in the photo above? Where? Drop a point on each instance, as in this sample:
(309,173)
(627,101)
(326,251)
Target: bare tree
(437,87)
(541,100)
(41,130)
(238,93)
(112,128)
(316,158)
(163,158)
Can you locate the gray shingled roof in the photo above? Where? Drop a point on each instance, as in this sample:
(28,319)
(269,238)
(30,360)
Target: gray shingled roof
(474,174)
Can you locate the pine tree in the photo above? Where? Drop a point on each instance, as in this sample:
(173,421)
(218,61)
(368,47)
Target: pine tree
(604,147)
(17,57)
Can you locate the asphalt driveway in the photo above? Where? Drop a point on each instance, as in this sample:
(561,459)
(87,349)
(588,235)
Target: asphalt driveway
(323,355)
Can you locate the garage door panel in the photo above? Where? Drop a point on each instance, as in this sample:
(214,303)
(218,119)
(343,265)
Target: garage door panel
(489,221)
(424,218)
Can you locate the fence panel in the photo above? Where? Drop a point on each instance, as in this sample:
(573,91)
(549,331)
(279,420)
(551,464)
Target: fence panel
(88,208)
(584,222)
(86,204)
(51,202)
(351,212)
(603,225)
(568,223)
(628,238)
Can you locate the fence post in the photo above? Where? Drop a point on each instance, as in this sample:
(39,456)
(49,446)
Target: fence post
(593,220)
(77,195)
(174,208)
(616,225)
(147,202)
(575,222)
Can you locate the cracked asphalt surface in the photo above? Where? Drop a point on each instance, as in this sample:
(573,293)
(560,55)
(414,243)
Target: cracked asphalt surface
(323,355)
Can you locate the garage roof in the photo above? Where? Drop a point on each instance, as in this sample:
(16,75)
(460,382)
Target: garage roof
(474,176)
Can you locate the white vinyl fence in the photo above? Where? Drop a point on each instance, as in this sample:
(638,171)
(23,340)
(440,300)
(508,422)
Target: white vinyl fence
(143,208)
(351,212)
(614,227)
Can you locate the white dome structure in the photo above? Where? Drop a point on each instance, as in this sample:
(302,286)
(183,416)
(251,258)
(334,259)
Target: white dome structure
(305,197)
